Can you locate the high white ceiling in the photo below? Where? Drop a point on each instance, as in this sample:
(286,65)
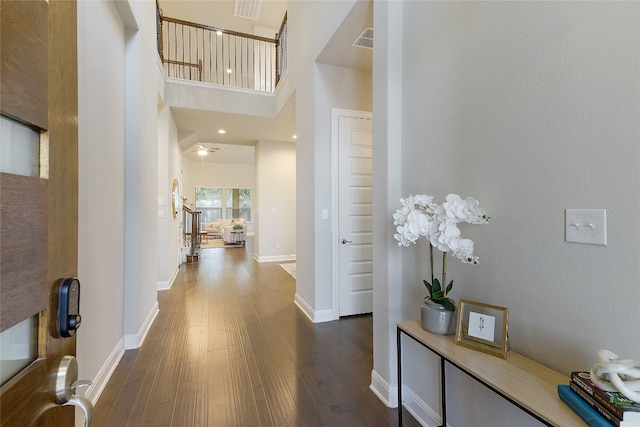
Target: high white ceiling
(340,50)
(245,130)
(220,13)
(227,153)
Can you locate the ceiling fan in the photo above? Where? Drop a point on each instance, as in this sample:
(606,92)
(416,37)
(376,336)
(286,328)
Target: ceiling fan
(203,151)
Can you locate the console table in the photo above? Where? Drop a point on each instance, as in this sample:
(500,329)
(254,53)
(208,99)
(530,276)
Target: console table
(523,382)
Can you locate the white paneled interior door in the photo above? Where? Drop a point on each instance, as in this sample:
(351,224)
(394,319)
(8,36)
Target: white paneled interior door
(355,209)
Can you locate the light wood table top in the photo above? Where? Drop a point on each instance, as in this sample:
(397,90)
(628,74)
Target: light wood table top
(525,382)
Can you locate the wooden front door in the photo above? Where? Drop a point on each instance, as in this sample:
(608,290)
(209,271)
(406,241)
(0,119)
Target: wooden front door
(38,207)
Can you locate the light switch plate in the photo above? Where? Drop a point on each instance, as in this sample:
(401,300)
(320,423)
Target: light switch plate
(586,226)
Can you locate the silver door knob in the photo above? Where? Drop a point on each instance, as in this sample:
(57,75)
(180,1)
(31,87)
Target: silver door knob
(67,382)
(345,241)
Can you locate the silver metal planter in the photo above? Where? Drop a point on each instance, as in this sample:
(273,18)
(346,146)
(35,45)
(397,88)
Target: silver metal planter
(436,319)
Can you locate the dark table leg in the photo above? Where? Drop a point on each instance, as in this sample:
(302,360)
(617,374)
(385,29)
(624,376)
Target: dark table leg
(399,348)
(443,390)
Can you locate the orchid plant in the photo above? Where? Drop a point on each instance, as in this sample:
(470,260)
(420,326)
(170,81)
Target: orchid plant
(419,217)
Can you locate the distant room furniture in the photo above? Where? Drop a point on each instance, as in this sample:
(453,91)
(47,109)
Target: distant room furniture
(234,237)
(218,228)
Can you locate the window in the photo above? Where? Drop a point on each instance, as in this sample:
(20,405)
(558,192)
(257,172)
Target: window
(18,347)
(209,202)
(239,203)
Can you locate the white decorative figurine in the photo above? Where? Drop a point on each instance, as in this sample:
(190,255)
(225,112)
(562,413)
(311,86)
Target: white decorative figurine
(614,374)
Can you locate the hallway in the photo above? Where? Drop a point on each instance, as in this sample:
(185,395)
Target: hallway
(229,348)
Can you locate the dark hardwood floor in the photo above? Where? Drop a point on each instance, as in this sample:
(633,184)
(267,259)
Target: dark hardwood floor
(229,348)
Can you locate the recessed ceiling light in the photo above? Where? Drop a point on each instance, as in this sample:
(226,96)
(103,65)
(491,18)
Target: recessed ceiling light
(221,131)
(295,136)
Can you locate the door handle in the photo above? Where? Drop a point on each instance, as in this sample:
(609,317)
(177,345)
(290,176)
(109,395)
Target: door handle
(66,384)
(345,241)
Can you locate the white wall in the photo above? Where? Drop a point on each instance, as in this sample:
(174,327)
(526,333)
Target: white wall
(305,43)
(168,226)
(203,96)
(141,177)
(101,128)
(226,175)
(388,289)
(344,88)
(275,206)
(319,88)
(531,108)
(117,181)
(164,198)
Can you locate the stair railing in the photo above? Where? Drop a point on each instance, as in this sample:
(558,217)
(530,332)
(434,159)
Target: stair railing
(214,55)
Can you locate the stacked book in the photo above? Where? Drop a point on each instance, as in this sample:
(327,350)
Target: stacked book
(596,406)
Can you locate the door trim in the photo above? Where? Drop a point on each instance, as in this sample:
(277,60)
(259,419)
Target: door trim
(336,114)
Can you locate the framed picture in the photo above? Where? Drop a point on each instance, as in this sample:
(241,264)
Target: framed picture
(483,327)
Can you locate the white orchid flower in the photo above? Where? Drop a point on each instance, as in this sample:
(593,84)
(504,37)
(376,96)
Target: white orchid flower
(419,216)
(424,201)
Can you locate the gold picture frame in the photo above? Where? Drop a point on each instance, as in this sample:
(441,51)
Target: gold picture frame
(483,327)
(175,197)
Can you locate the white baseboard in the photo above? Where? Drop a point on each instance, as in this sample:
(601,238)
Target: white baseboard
(318,316)
(165,285)
(302,305)
(417,407)
(422,412)
(135,340)
(274,258)
(101,379)
(385,392)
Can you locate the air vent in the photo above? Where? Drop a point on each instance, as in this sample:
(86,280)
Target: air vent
(248,8)
(365,39)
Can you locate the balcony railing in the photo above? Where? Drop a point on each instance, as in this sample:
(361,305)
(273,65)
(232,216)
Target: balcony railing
(214,55)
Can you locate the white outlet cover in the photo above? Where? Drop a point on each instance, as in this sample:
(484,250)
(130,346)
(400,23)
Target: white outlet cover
(586,226)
